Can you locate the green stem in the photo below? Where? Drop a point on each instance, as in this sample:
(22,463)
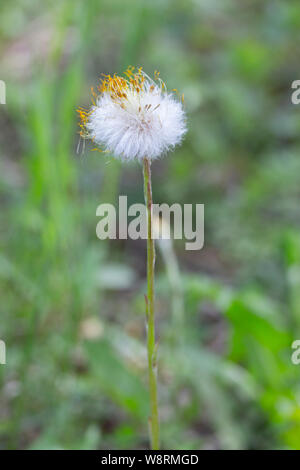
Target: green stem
(151,345)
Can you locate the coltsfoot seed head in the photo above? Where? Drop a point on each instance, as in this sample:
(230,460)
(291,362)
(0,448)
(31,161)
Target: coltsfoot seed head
(133,117)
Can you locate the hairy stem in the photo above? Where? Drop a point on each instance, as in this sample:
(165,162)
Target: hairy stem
(151,344)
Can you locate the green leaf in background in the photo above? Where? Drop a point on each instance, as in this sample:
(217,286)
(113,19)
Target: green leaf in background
(116,380)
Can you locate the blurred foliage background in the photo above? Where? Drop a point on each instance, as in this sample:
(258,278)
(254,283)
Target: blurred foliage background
(72,306)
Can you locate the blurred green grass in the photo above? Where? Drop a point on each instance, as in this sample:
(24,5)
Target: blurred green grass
(72,308)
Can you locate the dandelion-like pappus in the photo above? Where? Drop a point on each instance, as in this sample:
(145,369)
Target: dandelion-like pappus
(133,116)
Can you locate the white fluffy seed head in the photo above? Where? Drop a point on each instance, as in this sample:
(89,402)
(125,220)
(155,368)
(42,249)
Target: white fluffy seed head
(134,117)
